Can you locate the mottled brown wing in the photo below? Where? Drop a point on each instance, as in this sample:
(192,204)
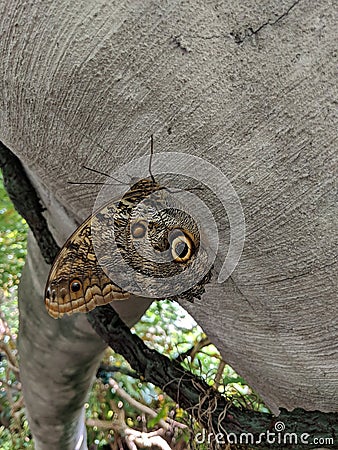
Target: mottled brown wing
(76,282)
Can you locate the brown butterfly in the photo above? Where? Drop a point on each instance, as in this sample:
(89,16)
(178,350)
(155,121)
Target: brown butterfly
(82,276)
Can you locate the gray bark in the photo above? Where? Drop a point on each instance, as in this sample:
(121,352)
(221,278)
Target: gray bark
(249,87)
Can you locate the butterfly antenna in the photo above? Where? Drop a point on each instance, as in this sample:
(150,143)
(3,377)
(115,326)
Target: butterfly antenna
(88,168)
(119,182)
(151,158)
(95,183)
(103,173)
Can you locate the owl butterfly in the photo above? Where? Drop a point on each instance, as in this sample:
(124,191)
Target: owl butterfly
(82,276)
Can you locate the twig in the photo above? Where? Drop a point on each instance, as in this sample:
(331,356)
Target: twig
(192,352)
(111,369)
(218,376)
(133,438)
(15,387)
(139,406)
(12,362)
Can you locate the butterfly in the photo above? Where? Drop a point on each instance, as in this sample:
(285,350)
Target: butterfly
(147,232)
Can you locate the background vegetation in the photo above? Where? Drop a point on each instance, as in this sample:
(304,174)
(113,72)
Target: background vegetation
(119,400)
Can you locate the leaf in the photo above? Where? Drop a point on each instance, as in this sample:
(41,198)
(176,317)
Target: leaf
(162,414)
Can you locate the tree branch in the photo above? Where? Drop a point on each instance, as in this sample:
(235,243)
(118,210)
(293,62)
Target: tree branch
(26,202)
(211,409)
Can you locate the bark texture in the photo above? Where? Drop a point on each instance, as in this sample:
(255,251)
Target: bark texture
(249,87)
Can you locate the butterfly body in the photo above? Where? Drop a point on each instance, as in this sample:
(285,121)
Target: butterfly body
(145,230)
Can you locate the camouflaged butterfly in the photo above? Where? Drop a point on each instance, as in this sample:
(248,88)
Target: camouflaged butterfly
(78,281)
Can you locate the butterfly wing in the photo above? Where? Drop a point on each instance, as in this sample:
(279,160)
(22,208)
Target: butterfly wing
(77,282)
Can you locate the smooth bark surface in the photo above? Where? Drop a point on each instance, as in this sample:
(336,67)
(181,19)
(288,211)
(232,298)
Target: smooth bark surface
(249,87)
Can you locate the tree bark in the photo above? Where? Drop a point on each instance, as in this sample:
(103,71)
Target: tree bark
(248,87)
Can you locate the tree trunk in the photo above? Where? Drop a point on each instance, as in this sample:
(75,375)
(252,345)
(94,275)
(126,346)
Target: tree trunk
(249,87)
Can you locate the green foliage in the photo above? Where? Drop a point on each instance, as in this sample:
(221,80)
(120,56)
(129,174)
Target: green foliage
(16,439)
(169,329)
(13,232)
(13,238)
(14,430)
(103,396)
